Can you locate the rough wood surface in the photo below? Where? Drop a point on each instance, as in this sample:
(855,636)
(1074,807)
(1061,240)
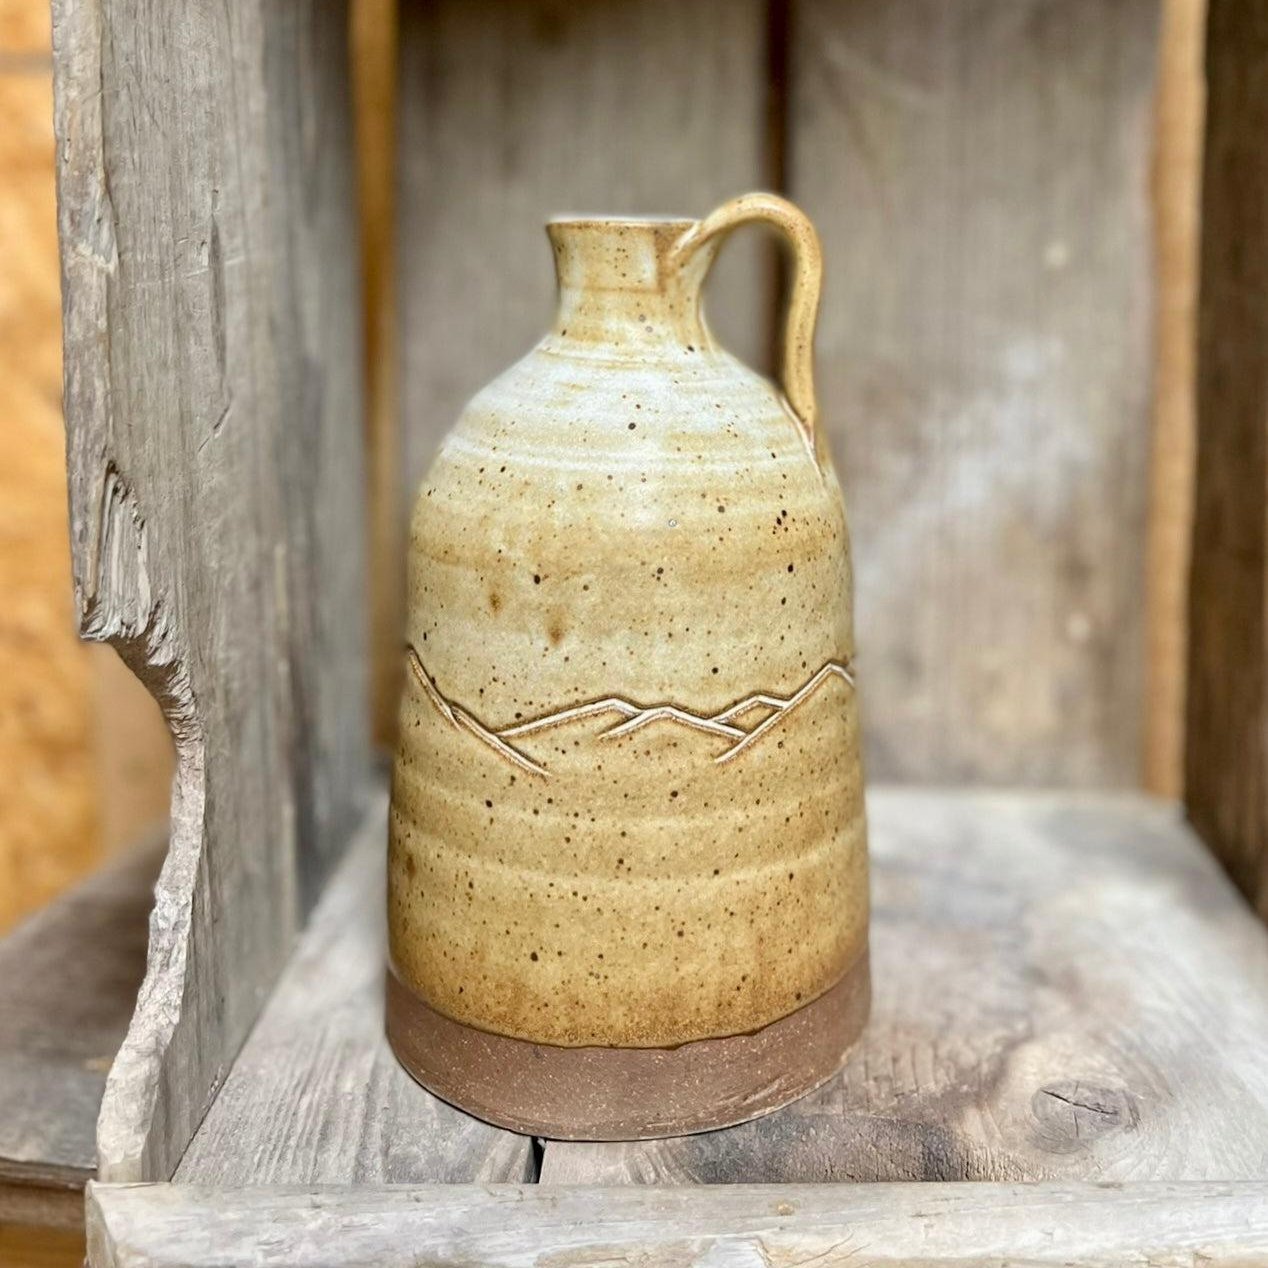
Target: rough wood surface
(1066,987)
(1226,757)
(316,1097)
(742,1226)
(213,402)
(68,984)
(513,111)
(979,172)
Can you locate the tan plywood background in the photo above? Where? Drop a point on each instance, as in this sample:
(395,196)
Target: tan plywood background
(83,754)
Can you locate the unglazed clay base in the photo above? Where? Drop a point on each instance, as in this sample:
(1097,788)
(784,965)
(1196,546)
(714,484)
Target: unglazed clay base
(627,1093)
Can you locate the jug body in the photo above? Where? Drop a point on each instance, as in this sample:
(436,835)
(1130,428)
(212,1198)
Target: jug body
(628,865)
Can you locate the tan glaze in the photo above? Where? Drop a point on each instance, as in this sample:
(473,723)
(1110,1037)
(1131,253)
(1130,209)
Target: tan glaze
(627,804)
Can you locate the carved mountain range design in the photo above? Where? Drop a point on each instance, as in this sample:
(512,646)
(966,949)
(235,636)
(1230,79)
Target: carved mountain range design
(742,723)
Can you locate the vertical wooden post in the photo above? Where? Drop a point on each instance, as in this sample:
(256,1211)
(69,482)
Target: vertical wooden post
(374,83)
(1177,179)
(1227,741)
(211,316)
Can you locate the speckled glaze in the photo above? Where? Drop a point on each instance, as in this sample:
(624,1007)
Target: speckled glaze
(627,802)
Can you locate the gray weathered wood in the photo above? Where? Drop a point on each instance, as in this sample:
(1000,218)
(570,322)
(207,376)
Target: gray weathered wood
(213,409)
(979,170)
(1067,987)
(1226,766)
(741,1226)
(316,1096)
(515,110)
(68,984)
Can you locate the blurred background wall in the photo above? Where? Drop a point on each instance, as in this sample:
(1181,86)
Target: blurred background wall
(84,763)
(84,757)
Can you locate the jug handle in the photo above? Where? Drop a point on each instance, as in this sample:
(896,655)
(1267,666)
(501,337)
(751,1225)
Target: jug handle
(797,372)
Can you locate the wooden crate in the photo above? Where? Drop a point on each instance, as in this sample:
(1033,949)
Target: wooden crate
(1065,1059)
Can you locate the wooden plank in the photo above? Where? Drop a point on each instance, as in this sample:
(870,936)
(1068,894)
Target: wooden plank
(978,170)
(749,1226)
(1066,987)
(316,1096)
(213,402)
(68,984)
(1225,776)
(514,110)
(1177,184)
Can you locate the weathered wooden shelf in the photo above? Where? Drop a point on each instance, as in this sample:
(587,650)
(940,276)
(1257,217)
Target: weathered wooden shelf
(68,984)
(745,1226)
(1068,989)
(316,1096)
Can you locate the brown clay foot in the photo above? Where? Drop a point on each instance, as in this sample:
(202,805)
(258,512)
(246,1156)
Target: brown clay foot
(627,1093)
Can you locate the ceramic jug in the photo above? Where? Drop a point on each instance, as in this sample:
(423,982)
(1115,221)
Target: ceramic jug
(628,862)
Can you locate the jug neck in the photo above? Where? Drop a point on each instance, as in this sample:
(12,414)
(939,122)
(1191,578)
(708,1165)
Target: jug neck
(620,285)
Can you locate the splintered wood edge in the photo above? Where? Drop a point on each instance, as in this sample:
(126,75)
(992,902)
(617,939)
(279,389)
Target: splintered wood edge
(125,1135)
(69,1024)
(147,562)
(113,590)
(961,1223)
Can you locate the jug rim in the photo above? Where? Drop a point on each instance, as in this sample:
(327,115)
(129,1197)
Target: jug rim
(582,218)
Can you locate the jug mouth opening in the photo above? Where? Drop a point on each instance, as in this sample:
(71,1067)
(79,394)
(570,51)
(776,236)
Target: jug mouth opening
(571,220)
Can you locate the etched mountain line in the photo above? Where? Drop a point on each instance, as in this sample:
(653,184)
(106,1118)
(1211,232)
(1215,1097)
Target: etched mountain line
(771,702)
(675,714)
(459,717)
(635,716)
(612,703)
(799,697)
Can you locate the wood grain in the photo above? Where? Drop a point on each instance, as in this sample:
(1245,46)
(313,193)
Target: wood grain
(1177,183)
(213,403)
(748,1226)
(68,984)
(1066,987)
(979,174)
(1225,777)
(316,1096)
(511,112)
